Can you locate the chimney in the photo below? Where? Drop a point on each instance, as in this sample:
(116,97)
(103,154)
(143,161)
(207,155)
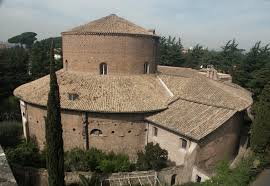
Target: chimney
(211,72)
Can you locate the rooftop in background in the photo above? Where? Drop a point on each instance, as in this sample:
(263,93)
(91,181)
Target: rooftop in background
(111,24)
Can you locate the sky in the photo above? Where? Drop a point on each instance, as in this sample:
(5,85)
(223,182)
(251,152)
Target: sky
(210,23)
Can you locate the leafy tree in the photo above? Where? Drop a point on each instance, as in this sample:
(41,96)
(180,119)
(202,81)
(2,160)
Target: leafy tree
(195,57)
(260,132)
(253,73)
(13,70)
(26,38)
(54,139)
(154,157)
(230,57)
(40,57)
(171,51)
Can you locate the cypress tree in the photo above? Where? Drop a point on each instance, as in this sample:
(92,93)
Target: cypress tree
(54,140)
(260,132)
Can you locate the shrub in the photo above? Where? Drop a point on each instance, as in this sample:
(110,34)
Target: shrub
(96,160)
(115,163)
(10,132)
(154,157)
(26,154)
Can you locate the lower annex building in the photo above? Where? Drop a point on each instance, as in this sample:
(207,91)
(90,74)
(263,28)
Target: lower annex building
(115,97)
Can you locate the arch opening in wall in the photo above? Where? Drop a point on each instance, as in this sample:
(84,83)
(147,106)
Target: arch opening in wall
(173,179)
(146,68)
(96,132)
(103,69)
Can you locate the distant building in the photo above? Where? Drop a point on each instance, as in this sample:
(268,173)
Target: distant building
(115,97)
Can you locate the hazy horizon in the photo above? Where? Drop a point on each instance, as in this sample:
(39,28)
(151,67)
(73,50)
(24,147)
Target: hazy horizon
(209,23)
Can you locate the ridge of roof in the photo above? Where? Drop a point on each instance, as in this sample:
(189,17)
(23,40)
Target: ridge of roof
(111,24)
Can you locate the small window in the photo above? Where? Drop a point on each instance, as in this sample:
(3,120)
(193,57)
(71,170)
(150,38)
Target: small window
(183,143)
(155,131)
(173,179)
(96,132)
(73,96)
(103,70)
(66,64)
(146,68)
(198,179)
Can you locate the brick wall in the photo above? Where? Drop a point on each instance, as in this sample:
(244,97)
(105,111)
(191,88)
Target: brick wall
(221,144)
(123,54)
(121,133)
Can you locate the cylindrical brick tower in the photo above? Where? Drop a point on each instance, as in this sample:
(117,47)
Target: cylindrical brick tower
(110,45)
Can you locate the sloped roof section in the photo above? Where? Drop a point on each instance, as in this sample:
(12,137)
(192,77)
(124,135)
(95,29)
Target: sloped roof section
(111,24)
(112,94)
(192,119)
(188,84)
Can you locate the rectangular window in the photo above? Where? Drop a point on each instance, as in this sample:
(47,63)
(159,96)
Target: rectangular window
(155,131)
(183,143)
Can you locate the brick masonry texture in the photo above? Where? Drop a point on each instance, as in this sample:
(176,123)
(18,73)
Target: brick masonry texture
(122,54)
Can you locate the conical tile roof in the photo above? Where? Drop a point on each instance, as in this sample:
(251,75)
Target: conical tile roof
(111,24)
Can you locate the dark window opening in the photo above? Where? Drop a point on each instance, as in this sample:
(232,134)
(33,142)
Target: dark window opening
(173,179)
(198,179)
(155,131)
(73,96)
(66,65)
(129,131)
(183,143)
(103,69)
(96,132)
(112,132)
(146,68)
(73,129)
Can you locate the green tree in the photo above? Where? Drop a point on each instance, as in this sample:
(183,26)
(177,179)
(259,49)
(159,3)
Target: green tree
(230,57)
(195,57)
(153,157)
(260,132)
(253,71)
(54,139)
(26,38)
(40,57)
(171,51)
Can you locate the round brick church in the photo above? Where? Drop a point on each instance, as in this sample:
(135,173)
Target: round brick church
(115,97)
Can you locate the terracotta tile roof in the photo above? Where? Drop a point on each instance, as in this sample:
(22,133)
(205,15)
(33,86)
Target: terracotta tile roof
(111,24)
(137,93)
(189,84)
(192,119)
(186,101)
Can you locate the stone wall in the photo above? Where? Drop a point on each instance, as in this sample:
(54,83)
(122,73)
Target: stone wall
(221,144)
(169,141)
(121,133)
(122,54)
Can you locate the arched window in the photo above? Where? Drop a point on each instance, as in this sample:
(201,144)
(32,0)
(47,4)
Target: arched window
(96,132)
(146,68)
(173,179)
(103,69)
